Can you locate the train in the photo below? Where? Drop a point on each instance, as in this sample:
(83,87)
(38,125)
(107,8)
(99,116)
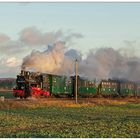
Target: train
(49,85)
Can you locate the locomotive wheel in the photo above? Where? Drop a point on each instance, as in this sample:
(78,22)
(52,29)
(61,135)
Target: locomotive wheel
(16,95)
(25,97)
(21,97)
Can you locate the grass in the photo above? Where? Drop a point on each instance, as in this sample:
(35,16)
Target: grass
(44,120)
(6,94)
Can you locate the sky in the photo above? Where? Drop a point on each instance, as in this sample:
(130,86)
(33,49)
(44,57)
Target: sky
(92,25)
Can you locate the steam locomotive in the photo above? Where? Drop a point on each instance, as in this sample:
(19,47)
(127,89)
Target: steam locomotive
(42,84)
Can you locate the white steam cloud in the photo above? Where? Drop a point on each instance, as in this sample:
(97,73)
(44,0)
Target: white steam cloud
(12,51)
(103,63)
(109,63)
(53,60)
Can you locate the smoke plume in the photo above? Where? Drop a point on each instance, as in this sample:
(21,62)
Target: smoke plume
(109,63)
(53,60)
(103,63)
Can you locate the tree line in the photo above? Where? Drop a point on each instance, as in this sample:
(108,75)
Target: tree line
(7,84)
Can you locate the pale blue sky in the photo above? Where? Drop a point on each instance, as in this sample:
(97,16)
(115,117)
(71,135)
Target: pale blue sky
(101,24)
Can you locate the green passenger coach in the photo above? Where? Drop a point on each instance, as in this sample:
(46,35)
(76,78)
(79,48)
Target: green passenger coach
(108,88)
(60,85)
(137,87)
(86,87)
(127,89)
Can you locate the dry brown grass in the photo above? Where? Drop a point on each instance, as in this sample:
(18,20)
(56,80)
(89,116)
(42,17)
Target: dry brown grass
(63,102)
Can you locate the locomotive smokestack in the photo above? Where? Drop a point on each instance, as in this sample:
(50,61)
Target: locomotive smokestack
(22,72)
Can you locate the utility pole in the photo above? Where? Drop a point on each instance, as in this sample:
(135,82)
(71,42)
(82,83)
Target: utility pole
(76,79)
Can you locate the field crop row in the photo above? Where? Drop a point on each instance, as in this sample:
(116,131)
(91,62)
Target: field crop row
(68,122)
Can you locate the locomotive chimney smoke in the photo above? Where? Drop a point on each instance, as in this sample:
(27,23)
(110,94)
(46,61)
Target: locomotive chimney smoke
(107,63)
(53,60)
(47,61)
(104,63)
(98,64)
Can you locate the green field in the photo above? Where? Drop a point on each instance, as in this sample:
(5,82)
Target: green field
(6,94)
(67,122)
